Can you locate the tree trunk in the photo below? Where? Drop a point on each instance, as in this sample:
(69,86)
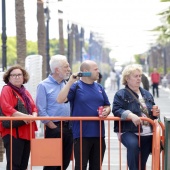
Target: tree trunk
(41,35)
(61,36)
(68,45)
(20,32)
(71,44)
(77,43)
(81,39)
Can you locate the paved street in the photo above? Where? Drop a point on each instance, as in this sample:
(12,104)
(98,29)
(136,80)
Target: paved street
(164,104)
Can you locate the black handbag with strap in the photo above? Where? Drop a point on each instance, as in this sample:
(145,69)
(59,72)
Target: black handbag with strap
(15,123)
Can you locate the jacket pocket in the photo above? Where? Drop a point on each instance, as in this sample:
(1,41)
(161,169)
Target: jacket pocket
(132,105)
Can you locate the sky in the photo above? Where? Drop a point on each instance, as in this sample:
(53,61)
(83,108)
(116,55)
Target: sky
(123,24)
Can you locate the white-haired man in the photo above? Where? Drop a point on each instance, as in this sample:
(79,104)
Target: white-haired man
(47,92)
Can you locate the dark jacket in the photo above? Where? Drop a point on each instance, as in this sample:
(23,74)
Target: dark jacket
(123,100)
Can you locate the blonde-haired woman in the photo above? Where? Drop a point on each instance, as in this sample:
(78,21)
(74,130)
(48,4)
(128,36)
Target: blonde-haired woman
(133,102)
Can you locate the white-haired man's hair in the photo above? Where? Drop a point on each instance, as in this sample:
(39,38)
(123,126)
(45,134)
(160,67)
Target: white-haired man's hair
(56,62)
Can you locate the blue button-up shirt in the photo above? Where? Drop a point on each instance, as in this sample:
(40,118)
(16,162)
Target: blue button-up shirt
(47,92)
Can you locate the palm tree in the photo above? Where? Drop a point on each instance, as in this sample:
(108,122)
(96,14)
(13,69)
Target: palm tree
(77,44)
(41,35)
(20,32)
(81,43)
(72,43)
(61,36)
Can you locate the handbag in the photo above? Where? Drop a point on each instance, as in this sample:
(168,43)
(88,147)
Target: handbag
(15,123)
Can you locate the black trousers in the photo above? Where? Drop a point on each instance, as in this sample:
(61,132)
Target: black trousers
(67,144)
(90,153)
(155,87)
(20,152)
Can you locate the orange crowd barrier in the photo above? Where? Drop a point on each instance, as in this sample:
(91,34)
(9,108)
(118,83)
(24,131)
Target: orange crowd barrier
(46,152)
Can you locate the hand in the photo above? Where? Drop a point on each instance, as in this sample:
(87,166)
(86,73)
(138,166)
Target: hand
(74,77)
(105,112)
(34,114)
(157,112)
(26,121)
(135,119)
(29,121)
(51,125)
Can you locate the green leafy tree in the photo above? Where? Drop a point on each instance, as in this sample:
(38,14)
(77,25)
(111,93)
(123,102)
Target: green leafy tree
(164,29)
(32,48)
(54,47)
(11,51)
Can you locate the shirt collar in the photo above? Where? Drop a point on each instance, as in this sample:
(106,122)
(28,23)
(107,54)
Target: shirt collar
(53,80)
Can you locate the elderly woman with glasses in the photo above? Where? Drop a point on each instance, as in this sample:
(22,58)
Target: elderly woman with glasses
(14,90)
(134,102)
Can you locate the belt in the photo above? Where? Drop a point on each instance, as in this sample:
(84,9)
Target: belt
(64,123)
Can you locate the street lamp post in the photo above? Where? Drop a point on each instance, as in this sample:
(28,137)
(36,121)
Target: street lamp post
(4,37)
(47,12)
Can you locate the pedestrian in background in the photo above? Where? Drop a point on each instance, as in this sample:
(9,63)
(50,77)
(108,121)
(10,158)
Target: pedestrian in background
(113,80)
(86,96)
(100,78)
(155,79)
(118,79)
(133,102)
(14,78)
(47,92)
(145,82)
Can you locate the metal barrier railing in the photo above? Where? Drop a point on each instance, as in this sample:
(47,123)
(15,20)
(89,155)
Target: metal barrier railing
(162,144)
(158,135)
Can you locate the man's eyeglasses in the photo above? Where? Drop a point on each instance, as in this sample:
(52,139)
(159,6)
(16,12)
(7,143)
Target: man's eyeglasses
(16,75)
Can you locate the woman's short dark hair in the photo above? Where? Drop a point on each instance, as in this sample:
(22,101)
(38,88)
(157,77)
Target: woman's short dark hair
(8,72)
